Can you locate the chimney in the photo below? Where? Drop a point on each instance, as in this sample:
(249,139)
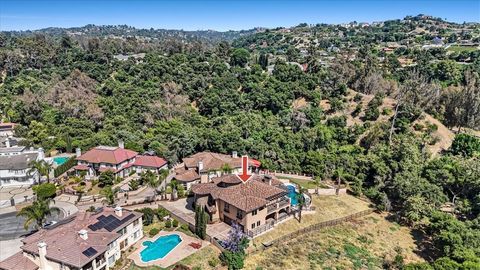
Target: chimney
(200,166)
(41,154)
(234,154)
(78,152)
(7,143)
(118,211)
(269,179)
(121,144)
(83,234)
(42,252)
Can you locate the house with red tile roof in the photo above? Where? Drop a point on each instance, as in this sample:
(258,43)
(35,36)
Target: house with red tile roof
(87,240)
(255,205)
(203,166)
(122,162)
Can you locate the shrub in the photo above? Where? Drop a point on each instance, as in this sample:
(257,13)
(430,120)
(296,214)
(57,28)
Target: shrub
(161,212)
(153,231)
(168,224)
(387,111)
(357,110)
(465,145)
(357,97)
(175,223)
(72,161)
(106,178)
(213,262)
(233,260)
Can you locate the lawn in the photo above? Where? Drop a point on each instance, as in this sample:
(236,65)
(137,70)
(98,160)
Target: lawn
(365,243)
(327,208)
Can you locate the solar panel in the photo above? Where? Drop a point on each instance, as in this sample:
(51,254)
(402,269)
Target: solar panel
(89,252)
(109,223)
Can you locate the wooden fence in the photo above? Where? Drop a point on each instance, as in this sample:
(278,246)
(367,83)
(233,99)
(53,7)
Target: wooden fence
(311,228)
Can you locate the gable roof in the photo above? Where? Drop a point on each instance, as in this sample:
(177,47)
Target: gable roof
(17,162)
(106,154)
(18,262)
(149,161)
(215,161)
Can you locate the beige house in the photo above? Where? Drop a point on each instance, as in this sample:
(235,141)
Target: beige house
(202,167)
(86,241)
(255,205)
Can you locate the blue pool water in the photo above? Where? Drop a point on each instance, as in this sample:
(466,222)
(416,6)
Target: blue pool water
(292,194)
(60,160)
(159,248)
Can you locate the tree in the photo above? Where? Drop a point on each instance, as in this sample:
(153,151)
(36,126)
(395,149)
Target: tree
(106,178)
(37,213)
(201,220)
(239,57)
(42,167)
(226,169)
(316,180)
(110,194)
(301,202)
(465,145)
(45,191)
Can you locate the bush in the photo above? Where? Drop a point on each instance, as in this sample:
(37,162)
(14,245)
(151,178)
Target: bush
(72,161)
(213,262)
(234,260)
(465,145)
(184,227)
(45,191)
(357,110)
(175,223)
(161,213)
(357,97)
(168,224)
(153,232)
(106,178)
(387,111)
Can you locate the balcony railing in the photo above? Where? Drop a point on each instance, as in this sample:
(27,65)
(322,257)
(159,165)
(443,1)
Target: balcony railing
(271,208)
(284,202)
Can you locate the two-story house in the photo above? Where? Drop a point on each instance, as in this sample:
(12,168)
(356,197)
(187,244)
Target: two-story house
(202,167)
(255,205)
(122,162)
(86,241)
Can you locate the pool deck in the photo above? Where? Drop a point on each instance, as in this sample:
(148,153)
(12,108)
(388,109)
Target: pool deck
(181,251)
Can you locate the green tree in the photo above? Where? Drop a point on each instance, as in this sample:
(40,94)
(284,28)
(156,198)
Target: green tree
(106,178)
(110,194)
(239,57)
(45,191)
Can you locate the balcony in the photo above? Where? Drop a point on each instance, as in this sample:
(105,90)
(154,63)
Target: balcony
(284,202)
(272,208)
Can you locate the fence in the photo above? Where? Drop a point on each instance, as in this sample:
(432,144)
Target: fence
(312,228)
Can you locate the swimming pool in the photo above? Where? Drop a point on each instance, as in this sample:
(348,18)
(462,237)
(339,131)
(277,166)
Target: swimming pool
(292,194)
(60,160)
(160,247)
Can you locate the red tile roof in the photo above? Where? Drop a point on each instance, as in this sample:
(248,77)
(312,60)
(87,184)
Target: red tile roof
(255,193)
(81,167)
(66,246)
(105,154)
(149,161)
(213,161)
(18,262)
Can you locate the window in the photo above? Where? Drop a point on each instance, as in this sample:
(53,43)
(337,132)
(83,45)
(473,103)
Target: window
(254,212)
(111,260)
(112,245)
(253,225)
(123,231)
(226,208)
(136,234)
(135,223)
(239,214)
(258,223)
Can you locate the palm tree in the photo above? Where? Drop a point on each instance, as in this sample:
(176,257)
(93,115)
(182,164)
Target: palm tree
(301,202)
(316,180)
(110,194)
(174,185)
(37,213)
(151,181)
(36,166)
(339,174)
(48,167)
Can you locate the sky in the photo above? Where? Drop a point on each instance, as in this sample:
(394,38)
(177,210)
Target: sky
(222,15)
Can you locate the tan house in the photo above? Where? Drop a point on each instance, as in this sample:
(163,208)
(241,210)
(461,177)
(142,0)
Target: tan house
(203,166)
(86,241)
(255,205)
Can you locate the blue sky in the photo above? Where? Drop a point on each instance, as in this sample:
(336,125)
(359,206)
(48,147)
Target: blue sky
(222,15)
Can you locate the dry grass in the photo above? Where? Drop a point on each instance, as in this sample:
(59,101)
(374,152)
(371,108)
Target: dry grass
(327,208)
(361,244)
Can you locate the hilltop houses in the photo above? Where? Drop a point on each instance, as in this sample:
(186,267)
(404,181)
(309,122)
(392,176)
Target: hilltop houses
(88,240)
(203,166)
(122,162)
(255,205)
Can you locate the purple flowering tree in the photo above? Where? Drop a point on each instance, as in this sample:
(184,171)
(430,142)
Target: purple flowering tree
(237,241)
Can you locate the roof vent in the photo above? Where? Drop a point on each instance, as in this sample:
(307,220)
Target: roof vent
(118,211)
(83,234)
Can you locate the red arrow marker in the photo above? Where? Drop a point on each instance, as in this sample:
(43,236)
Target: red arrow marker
(244,176)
